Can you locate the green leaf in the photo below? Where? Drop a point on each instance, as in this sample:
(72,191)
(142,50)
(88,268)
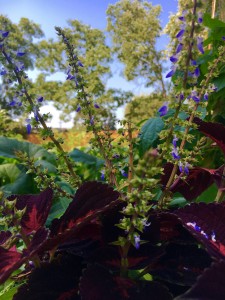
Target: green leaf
(220,82)
(80,156)
(212,23)
(14,180)
(149,134)
(208,195)
(9,147)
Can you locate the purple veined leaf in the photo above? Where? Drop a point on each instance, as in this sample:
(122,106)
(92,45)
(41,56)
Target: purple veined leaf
(11,259)
(37,209)
(91,199)
(206,222)
(210,285)
(214,131)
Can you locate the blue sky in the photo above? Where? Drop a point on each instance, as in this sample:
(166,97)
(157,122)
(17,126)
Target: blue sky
(50,13)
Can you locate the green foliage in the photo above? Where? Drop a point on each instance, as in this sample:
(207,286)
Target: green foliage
(149,134)
(143,107)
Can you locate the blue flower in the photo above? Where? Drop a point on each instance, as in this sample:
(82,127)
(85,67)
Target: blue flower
(174,58)
(137,241)
(124,174)
(175,153)
(181,96)
(28,126)
(40,99)
(102,175)
(180,166)
(171,73)
(78,108)
(79,63)
(3,72)
(179,48)
(19,66)
(92,120)
(20,53)
(200,44)
(200,17)
(223,38)
(174,142)
(186,168)
(206,96)
(197,72)
(163,109)
(4,33)
(180,33)
(96,105)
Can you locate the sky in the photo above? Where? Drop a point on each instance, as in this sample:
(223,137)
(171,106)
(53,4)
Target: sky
(50,13)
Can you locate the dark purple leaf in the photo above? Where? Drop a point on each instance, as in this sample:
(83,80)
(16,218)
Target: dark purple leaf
(11,260)
(37,209)
(4,236)
(57,280)
(197,181)
(206,222)
(210,286)
(90,198)
(214,131)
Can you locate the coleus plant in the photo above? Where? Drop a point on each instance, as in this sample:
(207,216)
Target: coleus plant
(181,251)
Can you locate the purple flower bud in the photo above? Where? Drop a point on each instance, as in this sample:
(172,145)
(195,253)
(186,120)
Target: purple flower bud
(180,33)
(174,142)
(78,108)
(5,34)
(173,58)
(19,66)
(19,104)
(171,73)
(200,17)
(92,120)
(79,63)
(40,99)
(1,45)
(197,72)
(175,153)
(116,156)
(194,62)
(206,96)
(180,166)
(70,77)
(179,48)
(181,96)
(96,105)
(196,99)
(186,168)
(28,128)
(223,38)
(12,103)
(137,241)
(3,72)
(163,109)
(20,53)
(102,176)
(124,174)
(200,44)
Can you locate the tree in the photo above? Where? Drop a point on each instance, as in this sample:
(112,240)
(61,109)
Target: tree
(134,26)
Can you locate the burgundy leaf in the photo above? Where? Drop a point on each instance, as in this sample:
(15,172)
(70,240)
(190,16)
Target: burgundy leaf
(37,209)
(97,283)
(198,180)
(55,281)
(4,236)
(215,131)
(181,264)
(211,285)
(206,222)
(11,260)
(90,198)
